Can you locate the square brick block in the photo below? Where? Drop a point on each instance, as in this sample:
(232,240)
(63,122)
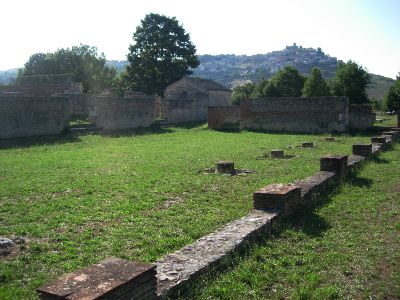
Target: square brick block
(363,150)
(334,163)
(112,278)
(278,197)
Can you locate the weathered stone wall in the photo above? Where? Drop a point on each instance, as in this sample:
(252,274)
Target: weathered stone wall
(78,105)
(111,113)
(323,114)
(185,107)
(219,98)
(224,117)
(23,116)
(361,116)
(35,90)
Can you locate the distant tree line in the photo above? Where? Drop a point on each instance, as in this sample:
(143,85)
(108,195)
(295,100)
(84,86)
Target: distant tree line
(80,64)
(351,80)
(392,98)
(162,53)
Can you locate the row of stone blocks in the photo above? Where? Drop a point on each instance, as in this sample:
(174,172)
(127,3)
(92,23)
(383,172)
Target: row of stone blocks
(115,278)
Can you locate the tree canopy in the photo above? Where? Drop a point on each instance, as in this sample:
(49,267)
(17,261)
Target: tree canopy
(161,55)
(288,82)
(242,92)
(81,62)
(351,80)
(315,85)
(392,97)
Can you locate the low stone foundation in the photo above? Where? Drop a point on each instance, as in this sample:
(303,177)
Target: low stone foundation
(179,271)
(112,278)
(334,163)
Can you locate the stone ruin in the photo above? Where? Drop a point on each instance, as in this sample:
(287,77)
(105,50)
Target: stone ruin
(172,275)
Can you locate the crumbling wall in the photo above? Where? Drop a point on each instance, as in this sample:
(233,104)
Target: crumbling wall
(361,116)
(38,89)
(219,98)
(323,114)
(112,113)
(224,117)
(23,116)
(186,107)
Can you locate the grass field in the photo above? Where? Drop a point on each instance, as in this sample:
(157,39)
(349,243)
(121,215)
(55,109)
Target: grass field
(139,197)
(387,120)
(349,248)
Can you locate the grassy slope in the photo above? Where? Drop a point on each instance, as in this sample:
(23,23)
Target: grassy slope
(348,248)
(137,197)
(379,87)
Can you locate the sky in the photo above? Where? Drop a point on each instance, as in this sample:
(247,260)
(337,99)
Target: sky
(366,31)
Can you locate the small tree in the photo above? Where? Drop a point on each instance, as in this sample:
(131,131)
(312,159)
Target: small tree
(161,55)
(258,91)
(242,92)
(351,80)
(315,85)
(392,97)
(270,90)
(288,82)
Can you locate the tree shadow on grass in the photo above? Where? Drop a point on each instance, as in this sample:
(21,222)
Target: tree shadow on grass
(379,160)
(39,141)
(306,220)
(154,129)
(188,125)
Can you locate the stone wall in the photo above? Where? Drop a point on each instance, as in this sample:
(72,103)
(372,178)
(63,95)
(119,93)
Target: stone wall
(185,107)
(361,116)
(111,113)
(323,114)
(35,90)
(23,116)
(224,117)
(219,98)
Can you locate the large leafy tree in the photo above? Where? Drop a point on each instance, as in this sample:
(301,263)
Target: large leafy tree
(288,82)
(351,80)
(161,55)
(80,63)
(392,97)
(315,85)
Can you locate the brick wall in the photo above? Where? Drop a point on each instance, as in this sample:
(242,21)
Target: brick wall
(323,114)
(361,116)
(224,117)
(111,113)
(185,107)
(219,98)
(35,90)
(23,116)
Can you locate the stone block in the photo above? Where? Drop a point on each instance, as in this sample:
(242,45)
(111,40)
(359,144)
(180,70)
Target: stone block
(225,167)
(307,145)
(330,139)
(277,153)
(364,150)
(378,140)
(285,198)
(394,134)
(334,163)
(112,278)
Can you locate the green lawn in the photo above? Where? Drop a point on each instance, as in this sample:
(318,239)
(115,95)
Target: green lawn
(387,120)
(349,248)
(137,197)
